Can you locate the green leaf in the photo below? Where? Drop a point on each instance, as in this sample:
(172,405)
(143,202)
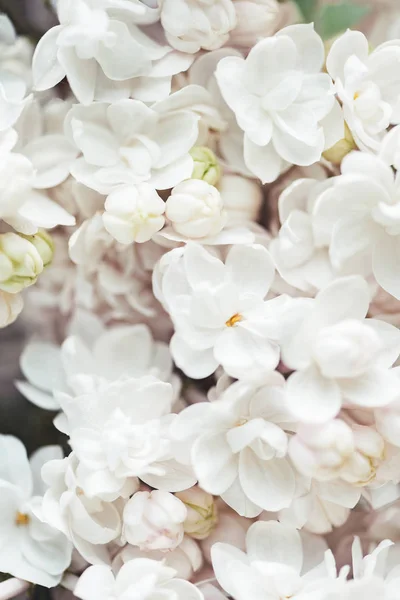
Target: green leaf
(307,9)
(336,18)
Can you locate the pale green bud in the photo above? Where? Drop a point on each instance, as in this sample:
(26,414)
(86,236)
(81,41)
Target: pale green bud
(44,244)
(336,154)
(205,165)
(20,263)
(201,512)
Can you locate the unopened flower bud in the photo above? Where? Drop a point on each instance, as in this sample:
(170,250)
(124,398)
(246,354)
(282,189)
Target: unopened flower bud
(336,154)
(154,520)
(195,209)
(256,19)
(133,213)
(10,307)
(44,244)
(20,263)
(201,512)
(242,198)
(205,165)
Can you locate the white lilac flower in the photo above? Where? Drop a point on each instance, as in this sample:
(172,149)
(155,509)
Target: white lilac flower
(113,352)
(368,86)
(15,59)
(21,206)
(154,520)
(301,248)
(238,447)
(219,310)
(133,213)
(119,430)
(140,578)
(93,47)
(42,141)
(186,559)
(362,214)
(280,99)
(128,142)
(20,263)
(89,522)
(191,25)
(31,549)
(338,355)
(320,507)
(356,454)
(256,19)
(195,209)
(272,567)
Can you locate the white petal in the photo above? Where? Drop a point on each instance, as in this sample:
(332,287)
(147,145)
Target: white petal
(251,269)
(237,499)
(386,263)
(214,463)
(268,483)
(51,156)
(377,387)
(46,70)
(194,363)
(96,582)
(390,338)
(344,298)
(263,161)
(308,44)
(273,542)
(311,397)
(41,364)
(351,43)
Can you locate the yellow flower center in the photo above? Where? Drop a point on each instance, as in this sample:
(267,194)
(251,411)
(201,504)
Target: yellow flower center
(233,320)
(22,519)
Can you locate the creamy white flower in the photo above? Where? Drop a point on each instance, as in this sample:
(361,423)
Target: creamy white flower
(280,100)
(195,209)
(32,550)
(337,450)
(112,353)
(89,522)
(363,216)
(15,59)
(11,306)
(93,47)
(368,86)
(301,248)
(133,213)
(186,559)
(154,520)
(320,506)
(272,567)
(128,142)
(339,356)
(191,25)
(201,515)
(238,446)
(218,310)
(256,19)
(119,430)
(141,578)
(112,279)
(42,140)
(21,206)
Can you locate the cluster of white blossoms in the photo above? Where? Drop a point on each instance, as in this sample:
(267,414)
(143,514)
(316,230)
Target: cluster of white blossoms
(215,315)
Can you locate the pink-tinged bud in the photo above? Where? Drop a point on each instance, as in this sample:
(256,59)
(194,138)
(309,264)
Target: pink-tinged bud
(154,520)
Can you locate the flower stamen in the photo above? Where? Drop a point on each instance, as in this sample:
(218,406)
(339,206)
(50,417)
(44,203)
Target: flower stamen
(234,320)
(21,519)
